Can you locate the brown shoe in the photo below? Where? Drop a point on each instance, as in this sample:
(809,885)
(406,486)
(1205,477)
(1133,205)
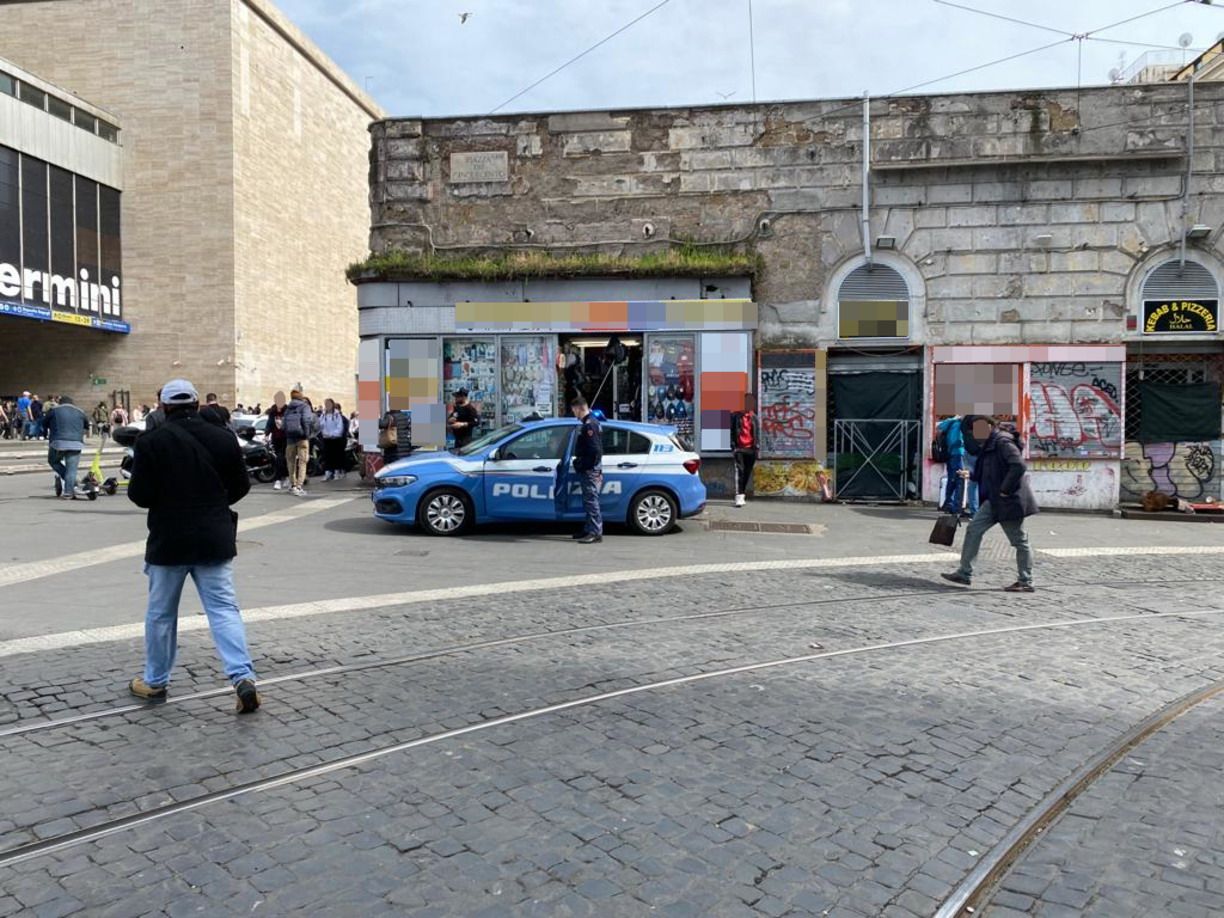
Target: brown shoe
(1019,587)
(142,689)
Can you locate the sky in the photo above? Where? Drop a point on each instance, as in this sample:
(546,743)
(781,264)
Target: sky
(417,58)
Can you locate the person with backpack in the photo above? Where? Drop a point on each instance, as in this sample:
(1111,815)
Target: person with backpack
(187,473)
(299,426)
(333,426)
(949,448)
(1006,498)
(745,446)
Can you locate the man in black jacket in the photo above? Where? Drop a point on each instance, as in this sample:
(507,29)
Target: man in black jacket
(1005,497)
(186,473)
(588,463)
(745,446)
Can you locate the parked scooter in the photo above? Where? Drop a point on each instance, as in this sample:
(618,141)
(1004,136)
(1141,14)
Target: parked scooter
(259,458)
(125,437)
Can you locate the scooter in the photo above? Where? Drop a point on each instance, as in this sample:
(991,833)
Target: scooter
(259,459)
(91,484)
(125,437)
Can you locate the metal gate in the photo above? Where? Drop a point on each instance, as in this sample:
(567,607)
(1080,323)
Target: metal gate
(876,459)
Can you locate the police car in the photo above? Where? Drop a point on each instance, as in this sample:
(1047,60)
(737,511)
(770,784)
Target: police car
(525,472)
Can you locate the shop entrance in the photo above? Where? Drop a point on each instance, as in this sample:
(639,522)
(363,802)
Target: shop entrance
(606,371)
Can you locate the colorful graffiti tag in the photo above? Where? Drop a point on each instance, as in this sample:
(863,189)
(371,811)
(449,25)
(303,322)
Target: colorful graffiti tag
(1185,470)
(1075,410)
(788,398)
(791,479)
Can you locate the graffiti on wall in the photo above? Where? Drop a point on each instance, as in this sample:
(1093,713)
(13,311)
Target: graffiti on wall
(1187,470)
(791,479)
(789,403)
(1075,410)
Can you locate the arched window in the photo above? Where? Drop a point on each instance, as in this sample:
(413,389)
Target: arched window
(873,302)
(1180,299)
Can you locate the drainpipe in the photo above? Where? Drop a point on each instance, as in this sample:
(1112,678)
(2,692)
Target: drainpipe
(1189,169)
(867,178)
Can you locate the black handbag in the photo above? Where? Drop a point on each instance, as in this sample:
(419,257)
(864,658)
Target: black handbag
(944,531)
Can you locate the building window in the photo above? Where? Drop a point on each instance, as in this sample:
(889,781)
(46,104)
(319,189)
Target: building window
(873,302)
(8,85)
(1180,299)
(32,94)
(85,121)
(59,108)
(35,238)
(108,131)
(528,377)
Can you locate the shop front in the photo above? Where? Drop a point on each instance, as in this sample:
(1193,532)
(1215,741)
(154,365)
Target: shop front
(1066,402)
(683,363)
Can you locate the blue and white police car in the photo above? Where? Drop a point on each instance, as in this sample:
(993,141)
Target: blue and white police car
(525,472)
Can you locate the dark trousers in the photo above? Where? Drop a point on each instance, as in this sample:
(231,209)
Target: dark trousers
(333,454)
(592,485)
(282,466)
(744,461)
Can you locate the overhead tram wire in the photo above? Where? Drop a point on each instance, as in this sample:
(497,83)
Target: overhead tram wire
(580,56)
(1023,22)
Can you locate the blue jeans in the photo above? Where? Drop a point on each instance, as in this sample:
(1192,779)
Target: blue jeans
(64,463)
(954,491)
(215,584)
(592,484)
(1014,530)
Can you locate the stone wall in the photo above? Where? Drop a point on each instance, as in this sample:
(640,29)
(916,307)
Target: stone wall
(965,184)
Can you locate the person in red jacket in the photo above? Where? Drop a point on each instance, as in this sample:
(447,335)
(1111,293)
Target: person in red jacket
(745,445)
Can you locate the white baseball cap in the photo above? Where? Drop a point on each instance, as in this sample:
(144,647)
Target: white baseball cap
(179,392)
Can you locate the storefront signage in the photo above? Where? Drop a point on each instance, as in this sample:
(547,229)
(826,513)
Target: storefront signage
(632,316)
(479,167)
(47,314)
(1181,316)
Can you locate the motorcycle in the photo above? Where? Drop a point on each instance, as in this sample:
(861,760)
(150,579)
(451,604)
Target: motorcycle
(352,457)
(258,457)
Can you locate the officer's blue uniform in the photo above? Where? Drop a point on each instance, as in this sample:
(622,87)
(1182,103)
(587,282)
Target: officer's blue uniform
(588,463)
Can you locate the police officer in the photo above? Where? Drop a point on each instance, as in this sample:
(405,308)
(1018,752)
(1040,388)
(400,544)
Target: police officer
(588,463)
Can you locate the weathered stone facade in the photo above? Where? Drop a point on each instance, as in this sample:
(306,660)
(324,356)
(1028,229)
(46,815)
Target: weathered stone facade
(964,184)
(245,164)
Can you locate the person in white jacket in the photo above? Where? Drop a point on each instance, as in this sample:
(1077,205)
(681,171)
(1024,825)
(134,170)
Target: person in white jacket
(333,426)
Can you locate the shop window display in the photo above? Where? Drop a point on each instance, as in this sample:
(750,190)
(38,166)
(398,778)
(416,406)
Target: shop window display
(670,382)
(528,378)
(471,363)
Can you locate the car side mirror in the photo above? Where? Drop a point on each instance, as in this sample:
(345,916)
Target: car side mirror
(495,455)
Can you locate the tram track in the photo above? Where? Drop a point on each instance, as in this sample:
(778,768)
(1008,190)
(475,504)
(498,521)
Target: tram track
(109,827)
(344,669)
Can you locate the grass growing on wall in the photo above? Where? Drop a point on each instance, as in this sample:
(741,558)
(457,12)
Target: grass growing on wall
(683,261)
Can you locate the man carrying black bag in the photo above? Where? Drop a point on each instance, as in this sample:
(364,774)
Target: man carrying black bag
(187,473)
(1005,497)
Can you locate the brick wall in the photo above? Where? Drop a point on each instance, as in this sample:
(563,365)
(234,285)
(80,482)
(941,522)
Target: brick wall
(963,182)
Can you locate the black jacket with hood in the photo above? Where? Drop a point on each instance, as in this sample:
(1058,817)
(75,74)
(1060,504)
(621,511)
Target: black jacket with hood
(1001,474)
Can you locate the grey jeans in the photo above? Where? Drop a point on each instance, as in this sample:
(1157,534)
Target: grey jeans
(982,521)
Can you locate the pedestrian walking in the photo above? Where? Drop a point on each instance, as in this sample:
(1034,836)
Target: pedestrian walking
(214,412)
(37,426)
(333,426)
(1005,498)
(299,421)
(588,463)
(395,435)
(951,432)
(464,419)
(119,417)
(745,446)
(100,416)
(187,473)
(276,436)
(66,430)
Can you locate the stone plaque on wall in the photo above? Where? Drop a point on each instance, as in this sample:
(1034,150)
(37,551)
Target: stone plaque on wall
(492,166)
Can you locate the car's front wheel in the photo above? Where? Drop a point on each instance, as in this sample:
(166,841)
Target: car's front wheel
(445,512)
(653,513)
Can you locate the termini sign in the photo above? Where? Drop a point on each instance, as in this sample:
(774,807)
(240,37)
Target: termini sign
(1184,316)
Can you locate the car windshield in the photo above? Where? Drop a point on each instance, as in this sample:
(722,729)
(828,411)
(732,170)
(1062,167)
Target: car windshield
(487,440)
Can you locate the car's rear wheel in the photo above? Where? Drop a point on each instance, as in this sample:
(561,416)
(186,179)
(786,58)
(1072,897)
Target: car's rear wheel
(653,513)
(445,512)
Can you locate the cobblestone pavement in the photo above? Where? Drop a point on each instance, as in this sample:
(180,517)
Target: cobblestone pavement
(1145,839)
(866,783)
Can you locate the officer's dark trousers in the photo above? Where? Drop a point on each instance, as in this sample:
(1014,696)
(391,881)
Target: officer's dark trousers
(592,485)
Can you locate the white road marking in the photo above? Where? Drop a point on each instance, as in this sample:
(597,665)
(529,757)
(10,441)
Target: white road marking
(65,639)
(35,570)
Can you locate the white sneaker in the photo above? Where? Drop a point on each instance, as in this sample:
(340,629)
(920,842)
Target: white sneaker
(739,500)
(276,485)
(296,492)
(330,476)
